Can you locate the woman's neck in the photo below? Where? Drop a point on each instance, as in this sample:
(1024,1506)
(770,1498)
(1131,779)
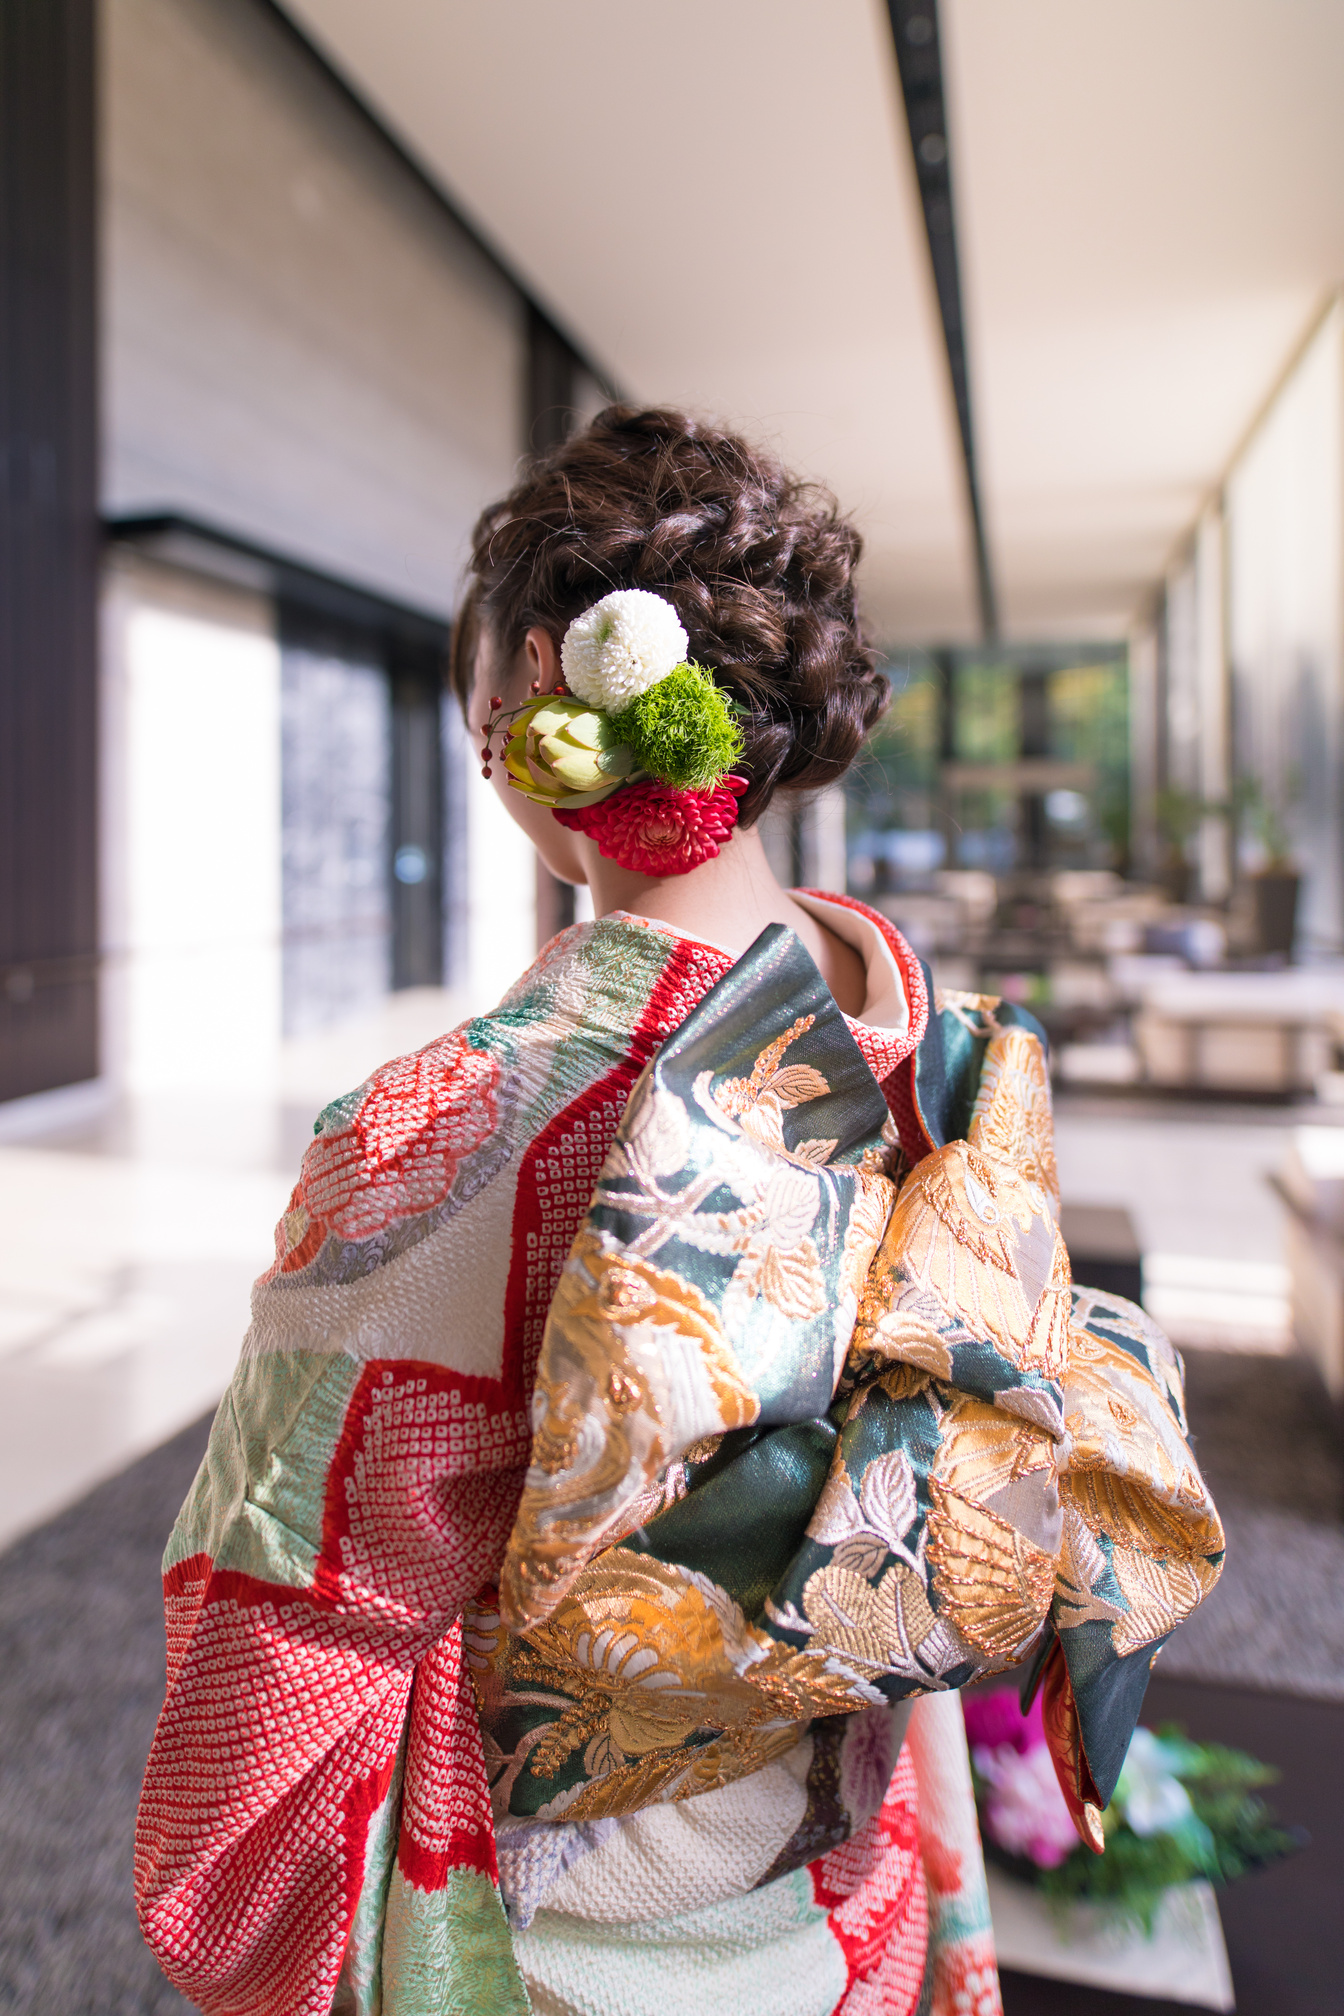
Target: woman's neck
(729,901)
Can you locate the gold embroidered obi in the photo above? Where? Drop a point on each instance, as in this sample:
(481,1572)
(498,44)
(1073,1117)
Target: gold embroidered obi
(811,1437)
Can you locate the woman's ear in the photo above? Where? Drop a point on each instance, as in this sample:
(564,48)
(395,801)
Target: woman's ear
(543,660)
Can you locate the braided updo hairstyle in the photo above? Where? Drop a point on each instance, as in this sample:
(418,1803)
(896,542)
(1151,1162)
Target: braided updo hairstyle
(759,565)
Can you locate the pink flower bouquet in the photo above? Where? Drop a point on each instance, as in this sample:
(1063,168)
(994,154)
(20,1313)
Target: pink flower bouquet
(1181,1810)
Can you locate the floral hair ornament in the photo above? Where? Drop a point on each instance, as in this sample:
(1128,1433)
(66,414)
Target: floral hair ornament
(636,748)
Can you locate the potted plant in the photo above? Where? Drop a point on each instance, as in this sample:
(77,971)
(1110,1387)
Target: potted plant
(1277,882)
(1179,816)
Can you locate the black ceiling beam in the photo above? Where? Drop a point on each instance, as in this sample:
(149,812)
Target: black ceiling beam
(914,31)
(180,539)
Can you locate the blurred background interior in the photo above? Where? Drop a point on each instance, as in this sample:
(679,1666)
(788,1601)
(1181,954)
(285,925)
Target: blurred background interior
(1050,293)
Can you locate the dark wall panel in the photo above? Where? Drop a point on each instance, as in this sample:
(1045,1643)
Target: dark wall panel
(48,546)
(417,826)
(553,367)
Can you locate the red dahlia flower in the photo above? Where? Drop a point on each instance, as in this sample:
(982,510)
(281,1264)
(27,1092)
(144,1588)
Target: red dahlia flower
(655,829)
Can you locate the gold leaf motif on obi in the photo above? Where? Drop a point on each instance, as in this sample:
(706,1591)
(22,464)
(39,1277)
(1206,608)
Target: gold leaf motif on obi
(836,1513)
(658,1776)
(760,1102)
(604,1429)
(668,1302)
(1012,1118)
(874,1199)
(898,1322)
(643,1659)
(992,1584)
(879,1626)
(789,1278)
(864,1552)
(902,1382)
(1158,1595)
(974,1011)
(814,1153)
(1048,1339)
(639,1652)
(1143,1519)
(1118,1419)
(983,1449)
(968,1232)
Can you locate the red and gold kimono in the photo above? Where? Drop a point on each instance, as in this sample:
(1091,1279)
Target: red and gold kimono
(667,1393)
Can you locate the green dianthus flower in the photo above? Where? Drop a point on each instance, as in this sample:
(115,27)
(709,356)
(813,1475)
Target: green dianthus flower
(683,731)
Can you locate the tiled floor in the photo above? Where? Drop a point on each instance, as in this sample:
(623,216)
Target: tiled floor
(1194,1181)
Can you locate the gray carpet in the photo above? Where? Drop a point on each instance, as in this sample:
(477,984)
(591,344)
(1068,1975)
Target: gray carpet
(1269,1443)
(81,1679)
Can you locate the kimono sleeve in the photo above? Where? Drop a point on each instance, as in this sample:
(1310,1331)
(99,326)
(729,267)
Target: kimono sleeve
(359,1485)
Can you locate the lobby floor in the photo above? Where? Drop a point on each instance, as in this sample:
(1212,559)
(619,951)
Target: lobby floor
(134,1230)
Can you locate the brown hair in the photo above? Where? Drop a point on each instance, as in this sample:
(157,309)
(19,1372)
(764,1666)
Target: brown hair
(759,566)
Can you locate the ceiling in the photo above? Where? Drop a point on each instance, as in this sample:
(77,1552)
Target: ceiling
(716,201)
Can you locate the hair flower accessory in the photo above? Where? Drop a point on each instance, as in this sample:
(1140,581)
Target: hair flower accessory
(637,749)
(621,647)
(657,830)
(561,751)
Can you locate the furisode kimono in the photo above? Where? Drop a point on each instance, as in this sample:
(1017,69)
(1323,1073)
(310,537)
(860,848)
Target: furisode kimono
(667,1393)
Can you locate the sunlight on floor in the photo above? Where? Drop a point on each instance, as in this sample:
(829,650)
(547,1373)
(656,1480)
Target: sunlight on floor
(134,1234)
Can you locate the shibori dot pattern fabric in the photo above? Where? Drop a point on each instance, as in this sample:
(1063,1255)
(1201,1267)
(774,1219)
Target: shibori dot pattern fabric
(314,1822)
(361,1479)
(893,1921)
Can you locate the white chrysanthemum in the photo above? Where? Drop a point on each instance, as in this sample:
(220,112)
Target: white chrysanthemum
(620,647)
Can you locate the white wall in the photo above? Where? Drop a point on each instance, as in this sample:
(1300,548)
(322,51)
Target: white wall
(299,344)
(1285,513)
(502,905)
(191,848)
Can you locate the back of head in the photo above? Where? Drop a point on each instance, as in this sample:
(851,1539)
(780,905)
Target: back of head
(759,565)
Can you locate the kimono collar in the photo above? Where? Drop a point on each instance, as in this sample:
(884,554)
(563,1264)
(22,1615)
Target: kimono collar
(887,1006)
(896,1010)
